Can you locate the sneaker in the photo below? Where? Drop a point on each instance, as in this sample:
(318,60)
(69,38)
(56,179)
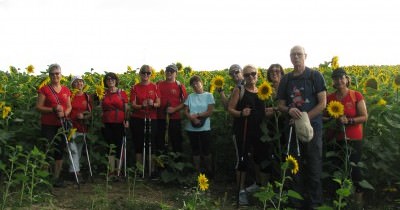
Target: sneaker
(253,188)
(243,201)
(59,183)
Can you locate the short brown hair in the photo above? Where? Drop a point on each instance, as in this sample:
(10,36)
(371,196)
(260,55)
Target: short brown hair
(194,78)
(112,76)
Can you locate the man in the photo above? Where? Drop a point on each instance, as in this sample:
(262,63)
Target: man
(235,71)
(304,90)
(172,94)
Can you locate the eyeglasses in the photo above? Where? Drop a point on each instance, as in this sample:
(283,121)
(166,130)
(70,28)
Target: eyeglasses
(145,72)
(248,74)
(234,73)
(54,73)
(110,79)
(296,54)
(170,70)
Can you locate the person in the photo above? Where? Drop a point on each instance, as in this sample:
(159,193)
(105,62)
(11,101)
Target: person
(145,99)
(115,119)
(198,109)
(172,96)
(355,114)
(235,72)
(81,108)
(304,90)
(54,104)
(248,113)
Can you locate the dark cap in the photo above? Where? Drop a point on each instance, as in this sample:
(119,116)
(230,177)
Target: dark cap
(171,67)
(338,73)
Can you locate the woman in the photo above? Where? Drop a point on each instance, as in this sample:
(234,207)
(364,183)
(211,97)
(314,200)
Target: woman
(81,108)
(115,117)
(54,104)
(198,109)
(355,114)
(145,99)
(266,152)
(248,112)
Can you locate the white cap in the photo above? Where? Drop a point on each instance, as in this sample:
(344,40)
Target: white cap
(75,78)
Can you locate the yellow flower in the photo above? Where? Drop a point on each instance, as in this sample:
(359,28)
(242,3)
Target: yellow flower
(335,62)
(397,81)
(218,81)
(381,102)
(44,82)
(335,109)
(203,182)
(371,82)
(136,80)
(264,91)
(6,111)
(2,103)
(129,68)
(100,90)
(212,88)
(30,69)
(293,164)
(74,91)
(153,73)
(71,133)
(86,88)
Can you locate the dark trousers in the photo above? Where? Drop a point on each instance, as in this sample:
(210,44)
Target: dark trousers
(174,133)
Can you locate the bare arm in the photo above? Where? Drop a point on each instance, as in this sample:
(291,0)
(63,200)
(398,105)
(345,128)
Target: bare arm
(233,102)
(319,108)
(40,105)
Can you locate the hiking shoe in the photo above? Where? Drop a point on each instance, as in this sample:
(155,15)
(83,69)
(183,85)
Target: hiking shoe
(243,201)
(253,188)
(59,183)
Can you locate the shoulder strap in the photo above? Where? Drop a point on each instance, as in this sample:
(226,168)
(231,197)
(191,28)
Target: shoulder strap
(88,102)
(180,89)
(353,96)
(54,94)
(242,90)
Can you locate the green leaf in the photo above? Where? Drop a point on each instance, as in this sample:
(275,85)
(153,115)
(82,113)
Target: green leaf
(366,185)
(294,194)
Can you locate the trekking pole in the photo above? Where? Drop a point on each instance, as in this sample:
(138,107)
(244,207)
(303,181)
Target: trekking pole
(144,145)
(87,153)
(289,140)
(149,138)
(166,139)
(242,158)
(122,156)
(63,125)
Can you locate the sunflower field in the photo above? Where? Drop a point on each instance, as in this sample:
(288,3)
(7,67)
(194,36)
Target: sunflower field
(24,167)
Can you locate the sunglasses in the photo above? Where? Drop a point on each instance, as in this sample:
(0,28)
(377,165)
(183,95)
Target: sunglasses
(54,73)
(234,73)
(145,72)
(110,79)
(248,74)
(170,70)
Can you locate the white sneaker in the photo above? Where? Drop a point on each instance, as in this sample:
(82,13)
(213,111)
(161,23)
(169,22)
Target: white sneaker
(243,201)
(253,188)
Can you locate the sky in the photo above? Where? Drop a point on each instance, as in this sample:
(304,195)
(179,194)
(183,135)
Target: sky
(109,35)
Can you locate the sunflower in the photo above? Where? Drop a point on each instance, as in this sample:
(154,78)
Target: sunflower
(371,82)
(203,182)
(212,88)
(6,111)
(2,103)
(86,88)
(44,82)
(264,91)
(74,91)
(129,68)
(396,82)
(136,80)
(30,69)
(218,81)
(293,164)
(381,102)
(335,109)
(335,62)
(71,133)
(100,90)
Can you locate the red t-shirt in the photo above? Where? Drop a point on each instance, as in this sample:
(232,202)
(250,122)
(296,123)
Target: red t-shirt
(140,93)
(113,106)
(51,101)
(353,132)
(173,95)
(79,104)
